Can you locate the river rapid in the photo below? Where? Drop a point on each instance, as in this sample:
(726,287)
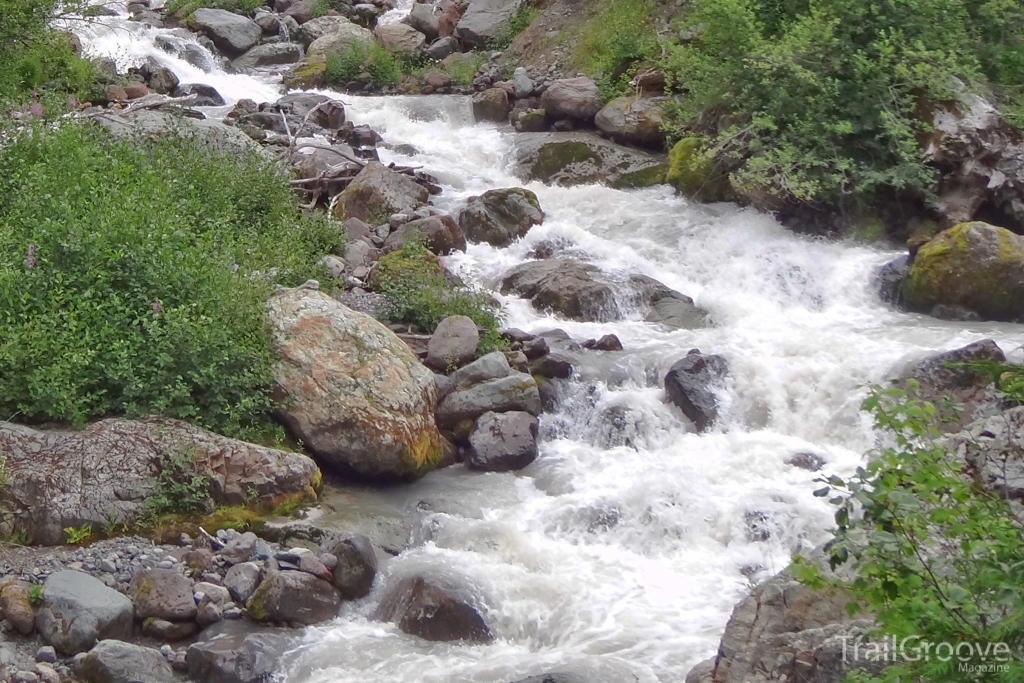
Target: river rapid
(620,553)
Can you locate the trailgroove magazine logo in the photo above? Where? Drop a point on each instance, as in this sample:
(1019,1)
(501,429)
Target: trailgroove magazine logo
(971,657)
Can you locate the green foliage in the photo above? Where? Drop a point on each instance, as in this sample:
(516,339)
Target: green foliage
(183,8)
(617,36)
(1008,377)
(77,535)
(419,294)
(935,555)
(385,69)
(179,486)
(821,98)
(18,537)
(111,527)
(35,594)
(519,22)
(462,71)
(134,276)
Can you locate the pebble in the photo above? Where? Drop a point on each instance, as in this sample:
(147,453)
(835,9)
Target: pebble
(108,566)
(46,654)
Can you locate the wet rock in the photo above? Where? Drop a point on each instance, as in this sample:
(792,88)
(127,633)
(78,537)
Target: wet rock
(702,673)
(205,95)
(572,98)
(553,366)
(162,80)
(976,266)
(294,597)
(169,631)
(608,342)
(690,386)
(232,33)
(358,397)
(272,54)
(335,38)
(499,217)
(453,343)
(78,610)
(356,564)
(492,366)
(491,105)
(516,392)
(239,549)
(58,479)
(16,607)
(890,278)
(484,21)
(812,462)
(268,22)
(162,594)
(441,234)
(376,193)
(113,661)
(535,348)
(568,159)
(503,442)
(312,565)
(993,448)
(424,19)
(442,48)
(428,611)
(241,580)
(237,652)
(400,38)
(301,11)
(633,120)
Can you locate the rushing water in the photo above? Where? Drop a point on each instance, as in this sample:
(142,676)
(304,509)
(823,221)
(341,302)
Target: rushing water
(621,551)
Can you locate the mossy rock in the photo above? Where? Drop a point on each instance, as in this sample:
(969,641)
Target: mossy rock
(308,74)
(398,267)
(558,156)
(693,174)
(579,158)
(645,177)
(975,266)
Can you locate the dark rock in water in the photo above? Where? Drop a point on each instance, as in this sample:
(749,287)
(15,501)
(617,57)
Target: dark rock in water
(535,348)
(491,105)
(608,342)
(329,114)
(974,389)
(579,158)
(812,462)
(702,673)
(889,280)
(206,95)
(162,80)
(690,386)
(499,217)
(431,612)
(556,678)
(113,661)
(294,597)
(518,391)
(553,366)
(356,564)
(237,652)
(503,442)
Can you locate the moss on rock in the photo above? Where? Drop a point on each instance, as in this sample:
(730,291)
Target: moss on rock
(692,173)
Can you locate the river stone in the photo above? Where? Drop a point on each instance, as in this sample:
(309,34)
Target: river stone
(210,132)
(453,343)
(572,98)
(442,235)
(690,386)
(313,29)
(78,610)
(162,594)
(485,21)
(633,120)
(268,22)
(59,478)
(113,661)
(237,651)
(300,11)
(890,278)
(162,80)
(518,391)
(294,597)
(993,449)
(357,396)
(431,612)
(337,39)
(377,193)
(203,95)
(400,38)
(522,84)
(492,366)
(242,580)
(503,442)
(442,48)
(423,18)
(976,266)
(568,159)
(232,33)
(218,594)
(356,564)
(271,54)
(491,105)
(499,217)
(17,607)
(169,631)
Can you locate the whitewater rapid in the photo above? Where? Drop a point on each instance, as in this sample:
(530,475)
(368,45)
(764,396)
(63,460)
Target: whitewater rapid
(621,551)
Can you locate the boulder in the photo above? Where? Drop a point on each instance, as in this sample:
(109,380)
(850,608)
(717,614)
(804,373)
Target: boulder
(239,549)
(423,18)
(491,105)
(377,193)
(294,597)
(59,478)
(113,661)
(581,158)
(218,136)
(499,217)
(16,607)
(633,120)
(492,366)
(442,48)
(690,385)
(269,22)
(232,33)
(169,631)
(485,21)
(162,80)
(976,266)
(237,652)
(271,54)
(429,611)
(890,278)
(241,580)
(441,234)
(162,594)
(315,29)
(572,98)
(693,175)
(300,11)
(78,610)
(400,38)
(337,42)
(502,442)
(993,448)
(356,565)
(973,390)
(453,343)
(517,391)
(522,84)
(203,95)
(356,395)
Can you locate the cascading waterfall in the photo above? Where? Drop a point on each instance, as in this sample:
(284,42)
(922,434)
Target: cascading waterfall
(620,553)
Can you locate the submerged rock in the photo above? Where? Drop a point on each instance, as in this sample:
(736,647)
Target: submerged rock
(356,564)
(690,385)
(499,217)
(579,158)
(428,611)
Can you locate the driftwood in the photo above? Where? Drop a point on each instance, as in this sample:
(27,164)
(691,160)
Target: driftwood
(156,102)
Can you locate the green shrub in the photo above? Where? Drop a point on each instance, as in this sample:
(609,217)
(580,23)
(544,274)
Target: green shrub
(616,37)
(462,72)
(133,278)
(184,8)
(935,556)
(519,22)
(179,487)
(419,294)
(385,69)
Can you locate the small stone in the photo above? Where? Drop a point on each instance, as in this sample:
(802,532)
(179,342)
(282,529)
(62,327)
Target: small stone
(46,674)
(25,677)
(242,580)
(209,612)
(108,567)
(46,654)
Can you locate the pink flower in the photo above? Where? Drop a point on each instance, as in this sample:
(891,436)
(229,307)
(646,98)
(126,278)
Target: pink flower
(36,109)
(30,258)
(156,306)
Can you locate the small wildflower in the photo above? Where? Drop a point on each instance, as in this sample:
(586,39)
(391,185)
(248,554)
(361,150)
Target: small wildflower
(156,306)
(30,258)
(36,109)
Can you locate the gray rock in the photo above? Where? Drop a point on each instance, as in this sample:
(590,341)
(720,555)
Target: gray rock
(242,579)
(500,217)
(453,343)
(568,159)
(424,18)
(268,22)
(441,48)
(572,98)
(690,385)
(503,442)
(518,391)
(162,594)
(702,673)
(78,610)
(378,192)
(294,597)
(633,120)
(208,612)
(162,80)
(492,366)
(239,549)
(484,21)
(271,54)
(400,38)
(113,661)
(169,631)
(521,83)
(232,33)
(491,105)
(890,278)
(441,234)
(432,612)
(338,38)
(993,448)
(46,654)
(317,28)
(202,95)
(218,594)
(356,564)
(237,652)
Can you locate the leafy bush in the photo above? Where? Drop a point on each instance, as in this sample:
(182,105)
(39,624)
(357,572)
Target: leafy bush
(462,72)
(183,8)
(613,41)
(936,556)
(133,277)
(419,294)
(819,101)
(385,69)
(180,488)
(1008,377)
